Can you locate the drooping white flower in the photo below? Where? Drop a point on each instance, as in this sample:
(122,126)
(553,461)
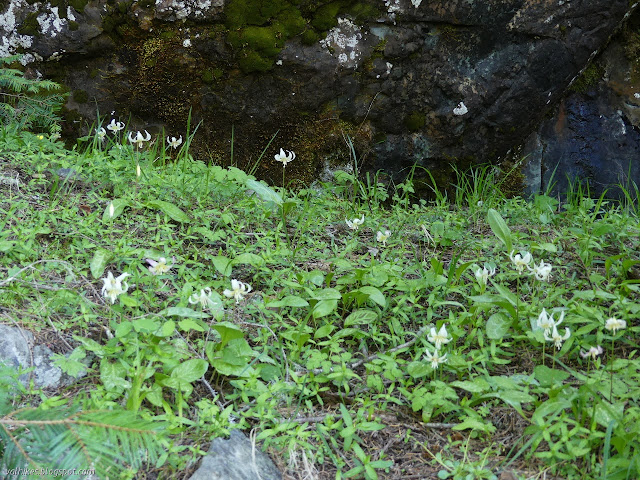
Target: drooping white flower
(204,299)
(435,358)
(238,290)
(355,223)
(115,126)
(139,139)
(101,133)
(520,260)
(174,142)
(160,267)
(114,286)
(556,338)
(285,156)
(383,237)
(483,274)
(541,271)
(439,337)
(461,109)
(613,325)
(593,352)
(546,322)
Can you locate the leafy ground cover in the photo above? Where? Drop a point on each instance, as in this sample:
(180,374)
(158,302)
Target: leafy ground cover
(355,331)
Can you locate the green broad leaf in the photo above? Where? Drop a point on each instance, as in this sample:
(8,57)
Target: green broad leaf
(497,326)
(266,193)
(324,308)
(129,301)
(91,345)
(374,294)
(549,376)
(154,395)
(418,369)
(228,331)
(289,301)
(229,370)
(123,329)
(99,262)
(326,294)
(237,352)
(210,235)
(360,316)
(146,324)
(349,332)
(191,370)
(606,413)
(478,385)
(370,426)
(507,294)
(500,228)
(189,324)
(5,246)
(169,209)
(113,376)
(250,259)
(223,265)
(119,205)
(168,328)
(324,331)
(183,312)
(473,423)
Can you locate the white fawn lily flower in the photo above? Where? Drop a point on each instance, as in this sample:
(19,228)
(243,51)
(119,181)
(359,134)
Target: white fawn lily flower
(439,337)
(483,274)
(238,290)
(556,338)
(541,271)
(593,352)
(383,237)
(101,133)
(613,325)
(174,142)
(160,267)
(435,359)
(285,158)
(204,299)
(114,286)
(520,260)
(546,322)
(115,126)
(139,139)
(355,223)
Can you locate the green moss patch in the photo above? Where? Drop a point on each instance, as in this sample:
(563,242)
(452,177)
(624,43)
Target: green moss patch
(414,121)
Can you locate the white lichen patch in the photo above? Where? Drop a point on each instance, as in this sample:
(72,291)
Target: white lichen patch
(393,7)
(343,40)
(51,24)
(186,43)
(11,40)
(182,9)
(416,3)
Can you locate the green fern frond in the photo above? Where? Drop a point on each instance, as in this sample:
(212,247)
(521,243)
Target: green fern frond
(29,103)
(107,441)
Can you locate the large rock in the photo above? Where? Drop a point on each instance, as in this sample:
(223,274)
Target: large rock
(427,81)
(594,133)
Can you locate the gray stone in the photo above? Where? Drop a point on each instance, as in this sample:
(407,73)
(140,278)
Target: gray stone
(236,458)
(17,349)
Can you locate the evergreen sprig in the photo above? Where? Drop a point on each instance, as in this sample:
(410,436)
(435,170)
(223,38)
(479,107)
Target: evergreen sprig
(32,104)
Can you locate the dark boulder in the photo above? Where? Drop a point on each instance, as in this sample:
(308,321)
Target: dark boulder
(433,82)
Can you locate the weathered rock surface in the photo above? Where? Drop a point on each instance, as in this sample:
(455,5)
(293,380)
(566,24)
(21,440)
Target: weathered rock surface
(594,134)
(432,82)
(17,349)
(235,459)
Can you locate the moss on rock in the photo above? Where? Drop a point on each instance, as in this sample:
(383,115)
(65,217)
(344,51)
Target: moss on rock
(415,121)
